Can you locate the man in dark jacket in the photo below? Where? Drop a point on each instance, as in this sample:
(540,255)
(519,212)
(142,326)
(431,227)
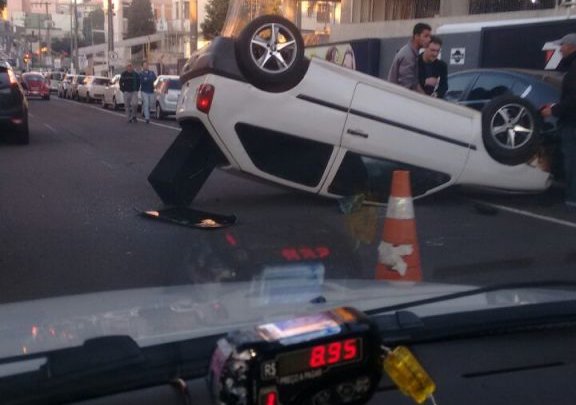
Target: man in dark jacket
(565,111)
(432,72)
(130,86)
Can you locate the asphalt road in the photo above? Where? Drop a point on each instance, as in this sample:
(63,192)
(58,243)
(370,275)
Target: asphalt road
(69,220)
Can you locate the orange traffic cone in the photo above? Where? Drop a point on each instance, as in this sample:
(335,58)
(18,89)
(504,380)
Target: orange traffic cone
(398,253)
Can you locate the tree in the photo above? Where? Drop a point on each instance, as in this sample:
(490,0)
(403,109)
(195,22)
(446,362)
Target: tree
(140,19)
(94,21)
(215,16)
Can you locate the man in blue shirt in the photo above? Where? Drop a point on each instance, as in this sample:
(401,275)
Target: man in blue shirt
(147,79)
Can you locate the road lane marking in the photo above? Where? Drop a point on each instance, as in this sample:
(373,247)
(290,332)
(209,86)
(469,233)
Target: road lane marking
(50,128)
(529,214)
(101,109)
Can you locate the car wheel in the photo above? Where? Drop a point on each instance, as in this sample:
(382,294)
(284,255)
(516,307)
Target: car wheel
(270,53)
(159,113)
(511,130)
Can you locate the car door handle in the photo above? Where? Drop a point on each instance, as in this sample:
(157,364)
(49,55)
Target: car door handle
(357,132)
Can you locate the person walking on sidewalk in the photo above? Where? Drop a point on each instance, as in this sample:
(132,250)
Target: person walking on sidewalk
(147,79)
(565,111)
(129,86)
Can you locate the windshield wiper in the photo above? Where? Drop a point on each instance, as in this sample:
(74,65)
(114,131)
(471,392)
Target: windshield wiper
(473,292)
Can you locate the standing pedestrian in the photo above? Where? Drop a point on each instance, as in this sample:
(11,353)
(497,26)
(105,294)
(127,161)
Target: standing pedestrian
(565,111)
(147,79)
(404,69)
(129,86)
(433,72)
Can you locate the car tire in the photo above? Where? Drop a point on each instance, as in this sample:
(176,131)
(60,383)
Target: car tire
(280,69)
(159,113)
(511,130)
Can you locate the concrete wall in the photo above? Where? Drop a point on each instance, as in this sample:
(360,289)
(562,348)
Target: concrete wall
(403,28)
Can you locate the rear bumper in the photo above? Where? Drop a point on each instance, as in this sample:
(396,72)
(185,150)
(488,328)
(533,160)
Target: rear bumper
(13,118)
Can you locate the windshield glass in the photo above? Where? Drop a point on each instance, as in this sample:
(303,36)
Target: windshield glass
(174,85)
(277,178)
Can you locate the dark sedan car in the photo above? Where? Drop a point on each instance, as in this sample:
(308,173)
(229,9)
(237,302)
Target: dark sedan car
(13,107)
(475,88)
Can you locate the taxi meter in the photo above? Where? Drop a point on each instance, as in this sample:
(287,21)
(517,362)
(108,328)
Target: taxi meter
(332,357)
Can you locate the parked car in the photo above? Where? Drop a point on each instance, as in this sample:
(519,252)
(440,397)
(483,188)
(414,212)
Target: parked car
(36,85)
(252,103)
(112,95)
(72,91)
(475,88)
(167,93)
(93,88)
(64,84)
(55,79)
(13,107)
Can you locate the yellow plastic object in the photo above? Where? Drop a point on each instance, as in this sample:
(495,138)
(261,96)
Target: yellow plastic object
(407,373)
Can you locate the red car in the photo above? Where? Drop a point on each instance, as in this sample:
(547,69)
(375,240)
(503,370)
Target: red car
(36,85)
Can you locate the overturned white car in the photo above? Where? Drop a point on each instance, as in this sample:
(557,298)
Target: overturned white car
(251,102)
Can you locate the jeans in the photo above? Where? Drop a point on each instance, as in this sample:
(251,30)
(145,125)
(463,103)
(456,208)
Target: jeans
(568,142)
(147,103)
(131,104)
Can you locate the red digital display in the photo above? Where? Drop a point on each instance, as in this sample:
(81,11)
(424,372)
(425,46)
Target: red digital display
(333,353)
(326,355)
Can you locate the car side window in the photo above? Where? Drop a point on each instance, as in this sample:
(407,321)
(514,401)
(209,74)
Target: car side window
(457,86)
(373,177)
(489,86)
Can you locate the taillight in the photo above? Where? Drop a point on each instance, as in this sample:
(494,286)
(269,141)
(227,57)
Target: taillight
(12,76)
(204,96)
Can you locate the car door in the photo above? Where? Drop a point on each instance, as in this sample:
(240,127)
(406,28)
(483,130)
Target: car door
(290,138)
(390,128)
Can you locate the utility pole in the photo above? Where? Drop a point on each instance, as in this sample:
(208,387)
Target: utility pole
(110,17)
(76,65)
(193,25)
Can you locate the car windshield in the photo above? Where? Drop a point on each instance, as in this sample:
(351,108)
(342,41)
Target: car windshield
(35,78)
(277,177)
(174,85)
